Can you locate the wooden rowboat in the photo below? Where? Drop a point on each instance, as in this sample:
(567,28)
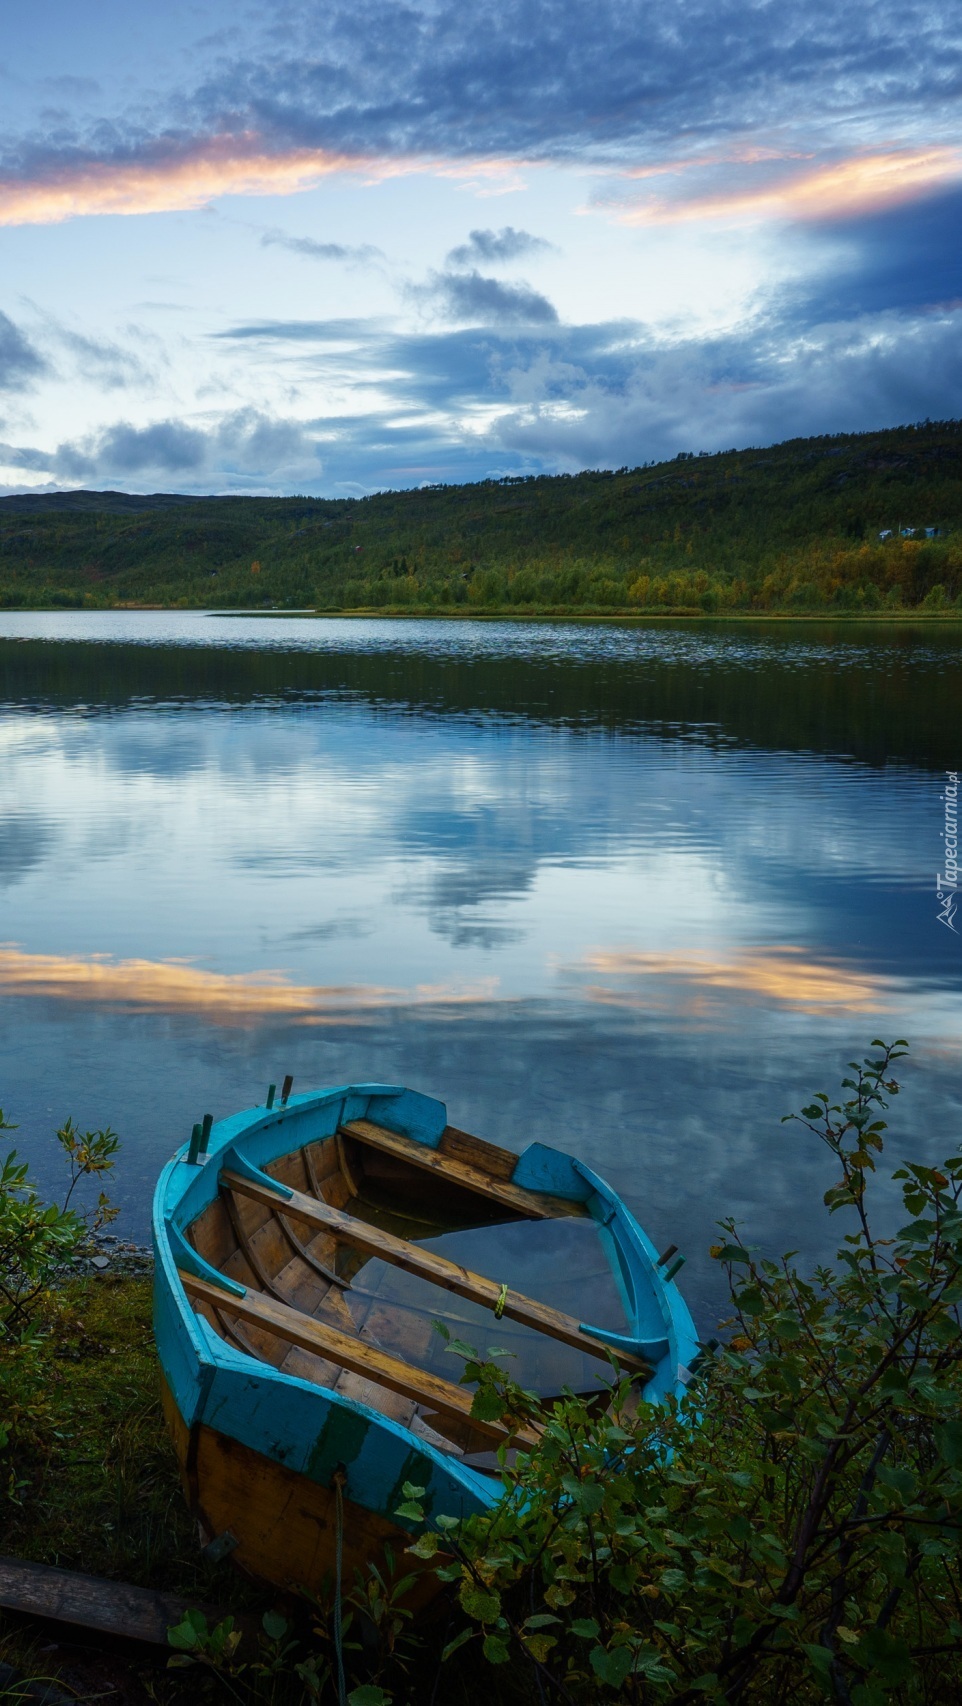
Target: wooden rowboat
(305,1251)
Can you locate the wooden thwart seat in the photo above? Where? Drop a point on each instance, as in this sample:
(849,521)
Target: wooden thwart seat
(296,1328)
(533,1205)
(321,1216)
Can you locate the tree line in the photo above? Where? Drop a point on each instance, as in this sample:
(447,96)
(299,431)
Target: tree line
(853,522)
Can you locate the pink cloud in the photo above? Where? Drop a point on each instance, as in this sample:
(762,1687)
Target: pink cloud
(184,178)
(859,184)
(188,176)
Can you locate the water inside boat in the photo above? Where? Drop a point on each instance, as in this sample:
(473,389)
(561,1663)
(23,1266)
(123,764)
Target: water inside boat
(382,1240)
(561,1263)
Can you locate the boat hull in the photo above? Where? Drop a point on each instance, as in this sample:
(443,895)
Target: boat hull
(264,1446)
(279,1526)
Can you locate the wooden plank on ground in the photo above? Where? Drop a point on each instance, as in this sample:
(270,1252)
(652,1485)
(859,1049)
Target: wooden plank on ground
(368,1360)
(67,1596)
(415,1260)
(534,1205)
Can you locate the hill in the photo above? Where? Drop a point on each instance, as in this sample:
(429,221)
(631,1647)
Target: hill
(795,527)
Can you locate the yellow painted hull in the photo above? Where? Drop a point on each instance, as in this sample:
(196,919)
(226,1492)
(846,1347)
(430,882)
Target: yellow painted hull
(284,1526)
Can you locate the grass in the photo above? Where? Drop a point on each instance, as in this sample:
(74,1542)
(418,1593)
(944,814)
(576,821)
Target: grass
(96,1489)
(100,1492)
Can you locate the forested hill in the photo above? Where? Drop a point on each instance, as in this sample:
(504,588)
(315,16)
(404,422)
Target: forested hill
(795,527)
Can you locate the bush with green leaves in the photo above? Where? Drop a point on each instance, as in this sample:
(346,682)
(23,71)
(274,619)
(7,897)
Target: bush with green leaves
(788,1532)
(39,1242)
(38,1239)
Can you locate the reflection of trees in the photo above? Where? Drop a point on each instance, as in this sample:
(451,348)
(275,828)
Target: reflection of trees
(892,697)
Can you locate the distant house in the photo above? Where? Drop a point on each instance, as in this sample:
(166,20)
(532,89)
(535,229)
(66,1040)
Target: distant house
(886,533)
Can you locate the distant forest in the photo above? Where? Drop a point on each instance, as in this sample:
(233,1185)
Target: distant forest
(789,529)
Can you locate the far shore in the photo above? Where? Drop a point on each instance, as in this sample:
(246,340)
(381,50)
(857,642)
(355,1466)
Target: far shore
(509,614)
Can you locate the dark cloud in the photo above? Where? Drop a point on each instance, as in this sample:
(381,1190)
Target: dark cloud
(471,296)
(244,449)
(565,78)
(546,79)
(169,446)
(359,255)
(902,258)
(20,363)
(523,396)
(493,247)
(652,401)
(568,397)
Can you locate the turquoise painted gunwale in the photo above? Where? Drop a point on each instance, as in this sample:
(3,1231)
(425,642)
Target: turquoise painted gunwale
(312,1430)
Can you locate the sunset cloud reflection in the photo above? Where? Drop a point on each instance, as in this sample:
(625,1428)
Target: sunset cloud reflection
(222,998)
(696,983)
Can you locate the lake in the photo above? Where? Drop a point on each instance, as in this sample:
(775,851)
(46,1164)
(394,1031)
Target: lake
(635,891)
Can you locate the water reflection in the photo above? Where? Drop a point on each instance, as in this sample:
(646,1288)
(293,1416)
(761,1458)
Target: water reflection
(344,845)
(634,891)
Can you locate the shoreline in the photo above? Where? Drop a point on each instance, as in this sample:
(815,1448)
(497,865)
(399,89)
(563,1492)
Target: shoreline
(642,618)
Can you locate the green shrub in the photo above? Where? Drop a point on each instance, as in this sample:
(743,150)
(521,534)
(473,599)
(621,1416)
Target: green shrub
(790,1531)
(38,1243)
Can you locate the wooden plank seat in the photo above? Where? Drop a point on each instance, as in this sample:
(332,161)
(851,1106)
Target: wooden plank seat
(292,1325)
(478,1152)
(321,1216)
(533,1205)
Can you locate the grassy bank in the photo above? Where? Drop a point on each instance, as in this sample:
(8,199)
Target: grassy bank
(793,529)
(96,1485)
(92,1485)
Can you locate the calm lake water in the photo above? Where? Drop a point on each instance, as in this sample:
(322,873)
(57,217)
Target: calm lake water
(633,891)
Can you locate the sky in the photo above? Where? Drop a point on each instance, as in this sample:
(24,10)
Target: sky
(332,249)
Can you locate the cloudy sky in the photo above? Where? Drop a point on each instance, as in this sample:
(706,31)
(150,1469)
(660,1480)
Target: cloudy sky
(332,248)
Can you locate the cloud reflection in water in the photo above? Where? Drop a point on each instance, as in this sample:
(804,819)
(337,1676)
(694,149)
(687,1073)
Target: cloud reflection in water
(637,893)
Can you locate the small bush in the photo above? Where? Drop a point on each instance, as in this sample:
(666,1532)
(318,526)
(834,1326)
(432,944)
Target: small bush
(39,1242)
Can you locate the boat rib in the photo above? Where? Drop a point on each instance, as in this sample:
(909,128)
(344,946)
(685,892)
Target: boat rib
(265,1280)
(308,1256)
